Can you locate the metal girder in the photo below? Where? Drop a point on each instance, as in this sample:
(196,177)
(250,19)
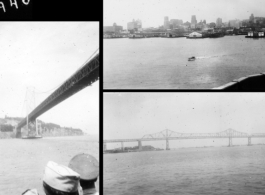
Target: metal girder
(82,78)
(171,135)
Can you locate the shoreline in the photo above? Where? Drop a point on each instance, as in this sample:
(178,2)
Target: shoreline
(180,148)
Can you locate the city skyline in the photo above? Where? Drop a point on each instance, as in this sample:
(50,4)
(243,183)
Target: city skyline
(157,10)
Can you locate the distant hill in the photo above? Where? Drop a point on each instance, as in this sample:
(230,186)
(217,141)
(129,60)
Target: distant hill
(7,124)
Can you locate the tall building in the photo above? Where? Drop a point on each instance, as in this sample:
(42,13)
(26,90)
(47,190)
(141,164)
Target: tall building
(235,23)
(139,24)
(134,25)
(219,22)
(113,29)
(251,18)
(166,22)
(175,22)
(193,21)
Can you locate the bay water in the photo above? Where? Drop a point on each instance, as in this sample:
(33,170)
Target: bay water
(162,63)
(22,162)
(214,170)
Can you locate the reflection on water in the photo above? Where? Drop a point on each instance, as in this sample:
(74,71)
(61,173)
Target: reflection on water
(222,170)
(163,63)
(23,161)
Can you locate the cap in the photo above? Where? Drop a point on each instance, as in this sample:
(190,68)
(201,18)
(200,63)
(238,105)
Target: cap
(30,192)
(86,165)
(61,178)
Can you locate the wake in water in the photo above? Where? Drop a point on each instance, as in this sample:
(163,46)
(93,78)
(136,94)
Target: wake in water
(216,56)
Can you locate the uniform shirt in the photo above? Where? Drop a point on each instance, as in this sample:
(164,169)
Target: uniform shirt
(92,191)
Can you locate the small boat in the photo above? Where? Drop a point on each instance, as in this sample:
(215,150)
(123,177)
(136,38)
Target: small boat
(32,137)
(192,58)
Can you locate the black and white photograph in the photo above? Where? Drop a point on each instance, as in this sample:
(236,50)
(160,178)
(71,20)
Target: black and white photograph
(184,44)
(184,143)
(49,108)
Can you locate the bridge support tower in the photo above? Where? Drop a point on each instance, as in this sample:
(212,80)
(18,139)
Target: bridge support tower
(249,141)
(167,144)
(18,132)
(139,145)
(230,142)
(122,148)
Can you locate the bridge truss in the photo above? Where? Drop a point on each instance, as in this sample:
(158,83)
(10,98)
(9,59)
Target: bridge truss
(168,134)
(83,77)
(172,135)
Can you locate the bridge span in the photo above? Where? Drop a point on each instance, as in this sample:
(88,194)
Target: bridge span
(171,135)
(83,77)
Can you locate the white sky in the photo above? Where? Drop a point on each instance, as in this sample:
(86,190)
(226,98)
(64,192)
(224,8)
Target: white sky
(134,115)
(43,55)
(152,12)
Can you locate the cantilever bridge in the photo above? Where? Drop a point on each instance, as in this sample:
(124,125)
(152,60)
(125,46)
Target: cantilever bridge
(171,135)
(83,77)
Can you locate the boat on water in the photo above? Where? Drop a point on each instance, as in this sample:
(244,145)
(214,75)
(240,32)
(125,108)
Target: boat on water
(255,34)
(135,36)
(32,137)
(191,58)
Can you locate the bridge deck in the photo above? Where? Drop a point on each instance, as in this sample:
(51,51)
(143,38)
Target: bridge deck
(177,138)
(82,78)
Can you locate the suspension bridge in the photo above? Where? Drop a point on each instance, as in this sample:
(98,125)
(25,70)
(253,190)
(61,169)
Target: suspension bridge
(83,77)
(171,135)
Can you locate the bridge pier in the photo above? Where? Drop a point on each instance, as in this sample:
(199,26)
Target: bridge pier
(167,144)
(230,142)
(249,141)
(122,148)
(139,145)
(18,132)
(105,147)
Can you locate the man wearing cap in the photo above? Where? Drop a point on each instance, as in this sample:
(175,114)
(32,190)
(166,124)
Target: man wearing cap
(60,180)
(87,167)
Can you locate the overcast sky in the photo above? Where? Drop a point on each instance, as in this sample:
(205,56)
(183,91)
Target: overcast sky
(152,12)
(42,56)
(130,115)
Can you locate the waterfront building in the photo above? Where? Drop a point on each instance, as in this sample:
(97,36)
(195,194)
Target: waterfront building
(212,25)
(174,23)
(195,35)
(130,25)
(225,24)
(235,23)
(251,18)
(139,24)
(193,21)
(134,25)
(200,25)
(166,22)
(112,29)
(219,22)
(187,24)
(259,20)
